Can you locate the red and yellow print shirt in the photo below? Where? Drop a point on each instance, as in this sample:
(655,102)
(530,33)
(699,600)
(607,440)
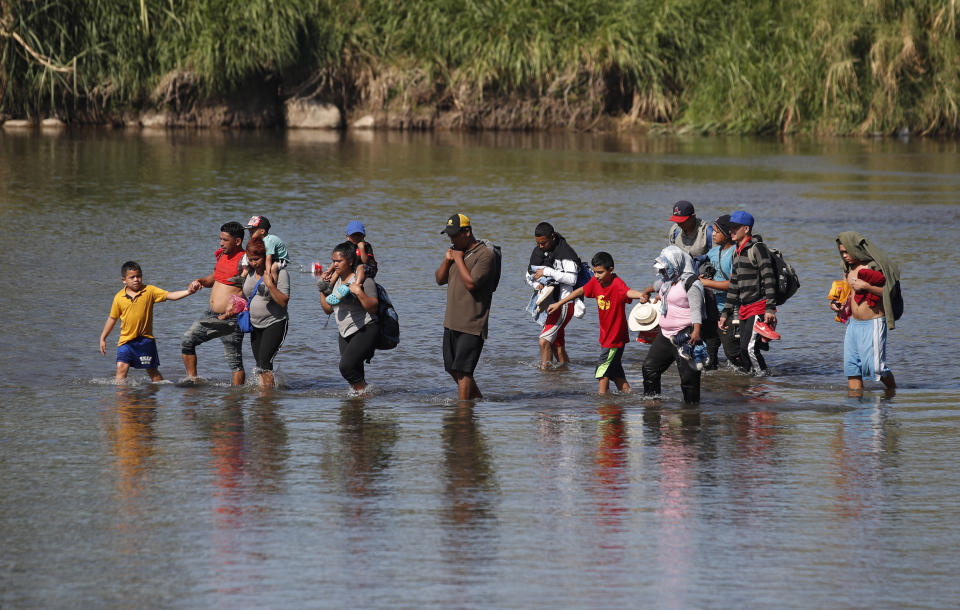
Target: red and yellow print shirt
(611,302)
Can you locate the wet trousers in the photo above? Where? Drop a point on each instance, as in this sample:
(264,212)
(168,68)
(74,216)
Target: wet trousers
(660,356)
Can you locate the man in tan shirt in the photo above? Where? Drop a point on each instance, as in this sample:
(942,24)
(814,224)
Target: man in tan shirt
(468,270)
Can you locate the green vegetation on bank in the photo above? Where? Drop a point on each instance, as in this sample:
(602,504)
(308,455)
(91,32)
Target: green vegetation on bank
(739,66)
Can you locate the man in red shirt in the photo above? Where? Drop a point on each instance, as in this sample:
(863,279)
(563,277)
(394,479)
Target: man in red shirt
(224,282)
(612,296)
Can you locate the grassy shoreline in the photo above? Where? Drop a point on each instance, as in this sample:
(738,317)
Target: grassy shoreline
(817,66)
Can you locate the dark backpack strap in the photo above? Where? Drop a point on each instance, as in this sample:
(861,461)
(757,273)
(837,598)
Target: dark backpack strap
(720,262)
(754,257)
(254,293)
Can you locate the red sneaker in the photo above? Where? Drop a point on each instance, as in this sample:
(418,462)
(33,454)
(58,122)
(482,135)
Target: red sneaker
(765,331)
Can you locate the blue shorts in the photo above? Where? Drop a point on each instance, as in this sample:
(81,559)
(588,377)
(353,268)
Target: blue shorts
(610,364)
(865,349)
(140,353)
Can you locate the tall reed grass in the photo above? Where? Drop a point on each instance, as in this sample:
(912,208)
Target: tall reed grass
(737,66)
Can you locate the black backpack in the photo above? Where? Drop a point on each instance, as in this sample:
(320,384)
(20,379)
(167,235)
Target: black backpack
(896,299)
(584,273)
(787,280)
(389,332)
(497,263)
(710,311)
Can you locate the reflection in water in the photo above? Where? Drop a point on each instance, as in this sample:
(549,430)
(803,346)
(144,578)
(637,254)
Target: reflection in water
(365,453)
(131,434)
(470,477)
(470,494)
(247,458)
(267,445)
(225,431)
(131,437)
(676,434)
(223,427)
(862,446)
(249,455)
(753,465)
(612,478)
(129,424)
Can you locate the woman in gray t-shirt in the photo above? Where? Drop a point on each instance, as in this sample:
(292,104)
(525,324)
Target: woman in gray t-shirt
(353,298)
(268,310)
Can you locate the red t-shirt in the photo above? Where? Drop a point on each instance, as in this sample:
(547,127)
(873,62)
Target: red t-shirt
(611,301)
(227,269)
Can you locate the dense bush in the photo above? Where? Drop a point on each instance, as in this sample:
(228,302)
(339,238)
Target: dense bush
(823,66)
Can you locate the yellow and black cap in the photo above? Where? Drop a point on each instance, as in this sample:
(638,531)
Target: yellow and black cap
(455,224)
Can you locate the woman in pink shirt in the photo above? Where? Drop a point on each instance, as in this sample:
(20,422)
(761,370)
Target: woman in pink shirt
(681,305)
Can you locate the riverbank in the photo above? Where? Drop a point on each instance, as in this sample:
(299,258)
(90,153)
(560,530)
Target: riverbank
(816,67)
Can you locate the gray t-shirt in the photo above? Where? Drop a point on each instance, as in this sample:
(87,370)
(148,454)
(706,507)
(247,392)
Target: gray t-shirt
(694,246)
(264,311)
(350,314)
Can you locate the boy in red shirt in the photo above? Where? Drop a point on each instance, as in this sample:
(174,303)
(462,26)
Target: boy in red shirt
(612,296)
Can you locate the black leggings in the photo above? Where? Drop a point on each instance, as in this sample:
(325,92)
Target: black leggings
(355,349)
(266,342)
(660,356)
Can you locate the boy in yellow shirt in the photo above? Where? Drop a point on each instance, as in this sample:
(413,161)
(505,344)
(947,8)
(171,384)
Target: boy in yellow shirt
(134,307)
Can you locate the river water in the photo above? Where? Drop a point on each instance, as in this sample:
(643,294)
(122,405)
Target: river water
(776,491)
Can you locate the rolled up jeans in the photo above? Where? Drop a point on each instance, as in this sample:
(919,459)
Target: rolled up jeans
(209,327)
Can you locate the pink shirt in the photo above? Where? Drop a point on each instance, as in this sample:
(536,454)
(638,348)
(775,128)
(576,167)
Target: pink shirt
(678,311)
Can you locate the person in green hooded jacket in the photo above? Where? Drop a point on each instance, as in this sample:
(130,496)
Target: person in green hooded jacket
(874,290)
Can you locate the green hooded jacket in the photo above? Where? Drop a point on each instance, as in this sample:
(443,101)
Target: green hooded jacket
(860,249)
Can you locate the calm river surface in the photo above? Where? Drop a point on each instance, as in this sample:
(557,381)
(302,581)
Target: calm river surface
(776,492)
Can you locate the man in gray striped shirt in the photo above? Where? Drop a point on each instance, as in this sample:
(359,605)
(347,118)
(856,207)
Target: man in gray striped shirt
(753,289)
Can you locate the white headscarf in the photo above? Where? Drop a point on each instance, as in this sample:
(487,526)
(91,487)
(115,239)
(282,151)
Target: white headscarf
(674,265)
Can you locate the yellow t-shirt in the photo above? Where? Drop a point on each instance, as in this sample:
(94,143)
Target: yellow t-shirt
(136,314)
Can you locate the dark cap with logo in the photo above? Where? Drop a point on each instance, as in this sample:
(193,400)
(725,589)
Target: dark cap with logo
(682,210)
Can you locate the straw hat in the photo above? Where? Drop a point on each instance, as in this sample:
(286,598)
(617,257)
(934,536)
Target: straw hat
(644,317)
